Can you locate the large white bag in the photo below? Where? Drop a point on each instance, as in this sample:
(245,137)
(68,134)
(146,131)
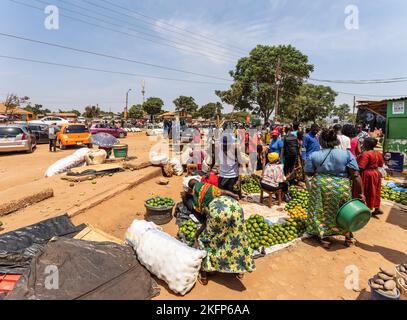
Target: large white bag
(176,166)
(96,157)
(158,159)
(64,164)
(164,256)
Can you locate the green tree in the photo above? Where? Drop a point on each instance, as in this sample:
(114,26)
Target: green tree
(153,106)
(136,112)
(313,103)
(185,104)
(37,109)
(342,111)
(210,110)
(92,112)
(13,101)
(256,79)
(239,116)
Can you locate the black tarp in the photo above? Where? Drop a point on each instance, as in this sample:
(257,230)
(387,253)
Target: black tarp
(85,270)
(17,248)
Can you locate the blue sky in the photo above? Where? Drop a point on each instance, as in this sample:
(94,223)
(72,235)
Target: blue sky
(316,27)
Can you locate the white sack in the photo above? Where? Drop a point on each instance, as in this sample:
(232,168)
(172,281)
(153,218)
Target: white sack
(64,164)
(164,256)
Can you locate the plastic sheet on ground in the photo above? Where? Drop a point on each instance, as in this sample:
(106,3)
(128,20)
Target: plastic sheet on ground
(84,270)
(273,214)
(19,247)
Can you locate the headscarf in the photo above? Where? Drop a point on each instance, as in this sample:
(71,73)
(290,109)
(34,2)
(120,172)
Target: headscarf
(273,157)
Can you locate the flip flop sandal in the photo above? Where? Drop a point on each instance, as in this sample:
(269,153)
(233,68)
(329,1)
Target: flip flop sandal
(203,280)
(240,276)
(325,244)
(349,242)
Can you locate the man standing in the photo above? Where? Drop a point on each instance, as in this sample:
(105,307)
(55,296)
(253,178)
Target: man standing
(311,141)
(290,151)
(343,140)
(52,135)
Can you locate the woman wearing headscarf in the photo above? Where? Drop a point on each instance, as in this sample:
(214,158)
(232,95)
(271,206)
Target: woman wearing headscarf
(273,177)
(332,172)
(369,162)
(223,233)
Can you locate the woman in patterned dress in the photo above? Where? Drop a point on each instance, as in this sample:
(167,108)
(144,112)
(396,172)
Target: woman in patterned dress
(223,236)
(331,171)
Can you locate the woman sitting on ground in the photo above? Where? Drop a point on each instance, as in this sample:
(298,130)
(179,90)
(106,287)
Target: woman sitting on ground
(223,233)
(331,172)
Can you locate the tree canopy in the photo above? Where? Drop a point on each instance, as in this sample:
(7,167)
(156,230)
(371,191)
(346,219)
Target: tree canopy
(153,106)
(342,111)
(255,79)
(312,103)
(92,112)
(13,101)
(37,109)
(136,112)
(210,110)
(185,104)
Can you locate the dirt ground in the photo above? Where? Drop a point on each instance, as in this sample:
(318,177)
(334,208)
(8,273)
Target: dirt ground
(304,271)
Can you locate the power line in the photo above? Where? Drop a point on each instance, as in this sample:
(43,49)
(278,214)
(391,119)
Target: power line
(110,56)
(172,26)
(121,32)
(106,71)
(157,26)
(209,50)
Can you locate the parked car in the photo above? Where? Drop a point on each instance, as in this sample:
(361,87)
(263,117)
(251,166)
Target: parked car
(73,134)
(40,131)
(81,120)
(116,132)
(51,120)
(15,137)
(154,130)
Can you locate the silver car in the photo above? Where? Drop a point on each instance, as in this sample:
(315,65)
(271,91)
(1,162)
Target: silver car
(14,137)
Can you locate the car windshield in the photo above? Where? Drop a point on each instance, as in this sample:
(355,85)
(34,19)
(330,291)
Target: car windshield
(9,132)
(76,129)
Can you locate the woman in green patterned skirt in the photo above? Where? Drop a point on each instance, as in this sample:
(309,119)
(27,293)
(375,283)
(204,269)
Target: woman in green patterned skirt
(223,236)
(332,173)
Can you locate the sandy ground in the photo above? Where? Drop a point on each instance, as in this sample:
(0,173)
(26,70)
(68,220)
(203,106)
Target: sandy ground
(304,271)
(23,172)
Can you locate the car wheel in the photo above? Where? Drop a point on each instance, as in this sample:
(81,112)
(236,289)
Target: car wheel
(61,146)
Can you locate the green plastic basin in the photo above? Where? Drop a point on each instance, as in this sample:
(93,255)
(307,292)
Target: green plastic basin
(353,216)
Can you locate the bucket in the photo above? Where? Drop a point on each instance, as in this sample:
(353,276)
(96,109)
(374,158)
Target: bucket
(353,216)
(403,290)
(376,295)
(159,215)
(120,150)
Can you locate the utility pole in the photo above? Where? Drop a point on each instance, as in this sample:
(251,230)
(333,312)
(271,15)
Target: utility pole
(277,81)
(126,110)
(143,90)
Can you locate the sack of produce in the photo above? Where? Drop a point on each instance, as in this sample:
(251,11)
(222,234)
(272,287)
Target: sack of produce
(164,256)
(96,157)
(176,166)
(64,164)
(158,159)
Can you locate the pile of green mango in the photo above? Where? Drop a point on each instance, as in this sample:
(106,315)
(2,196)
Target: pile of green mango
(389,194)
(300,198)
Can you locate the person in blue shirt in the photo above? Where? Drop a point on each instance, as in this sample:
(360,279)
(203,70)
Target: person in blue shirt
(276,144)
(332,174)
(311,142)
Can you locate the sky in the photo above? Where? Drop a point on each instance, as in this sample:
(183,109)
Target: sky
(205,37)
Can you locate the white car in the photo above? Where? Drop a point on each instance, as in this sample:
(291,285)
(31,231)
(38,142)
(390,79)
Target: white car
(50,120)
(154,130)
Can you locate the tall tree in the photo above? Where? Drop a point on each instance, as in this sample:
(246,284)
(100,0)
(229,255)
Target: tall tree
(313,103)
(92,112)
(153,106)
(185,104)
(210,110)
(136,112)
(13,101)
(258,77)
(37,109)
(239,116)
(342,111)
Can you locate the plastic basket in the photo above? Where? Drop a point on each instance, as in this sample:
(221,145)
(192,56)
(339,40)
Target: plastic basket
(376,295)
(159,215)
(7,282)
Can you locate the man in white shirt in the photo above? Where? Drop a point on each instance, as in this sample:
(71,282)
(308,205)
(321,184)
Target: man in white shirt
(343,140)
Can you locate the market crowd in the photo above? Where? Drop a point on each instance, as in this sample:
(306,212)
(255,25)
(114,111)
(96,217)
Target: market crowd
(336,164)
